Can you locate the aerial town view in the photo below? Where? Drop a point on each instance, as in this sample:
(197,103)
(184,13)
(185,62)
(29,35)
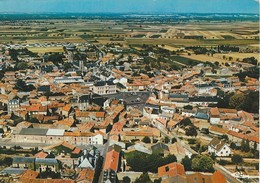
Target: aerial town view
(129,91)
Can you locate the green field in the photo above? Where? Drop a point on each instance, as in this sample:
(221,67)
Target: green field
(185,61)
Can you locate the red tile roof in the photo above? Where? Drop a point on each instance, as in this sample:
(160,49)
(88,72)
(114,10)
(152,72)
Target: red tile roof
(77,150)
(41,155)
(214,112)
(171,170)
(218,177)
(29,174)
(111,161)
(86,175)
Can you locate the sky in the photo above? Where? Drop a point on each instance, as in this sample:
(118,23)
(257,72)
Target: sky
(130,6)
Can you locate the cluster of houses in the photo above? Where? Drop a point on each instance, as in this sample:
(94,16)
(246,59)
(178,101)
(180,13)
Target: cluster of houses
(66,113)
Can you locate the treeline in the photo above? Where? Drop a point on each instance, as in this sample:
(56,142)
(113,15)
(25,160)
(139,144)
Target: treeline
(228,48)
(197,49)
(250,60)
(23,51)
(252,72)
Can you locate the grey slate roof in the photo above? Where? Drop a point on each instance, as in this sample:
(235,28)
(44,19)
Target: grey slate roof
(12,171)
(33,131)
(17,160)
(159,146)
(46,161)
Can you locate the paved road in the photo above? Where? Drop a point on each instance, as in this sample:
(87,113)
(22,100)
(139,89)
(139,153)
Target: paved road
(136,99)
(104,153)
(228,176)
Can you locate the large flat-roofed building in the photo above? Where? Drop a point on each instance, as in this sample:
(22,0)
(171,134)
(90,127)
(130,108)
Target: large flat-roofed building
(53,136)
(104,87)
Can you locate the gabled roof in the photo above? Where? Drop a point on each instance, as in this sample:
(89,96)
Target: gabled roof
(41,155)
(171,170)
(217,144)
(159,146)
(86,164)
(217,130)
(112,159)
(86,175)
(215,141)
(199,177)
(214,112)
(29,174)
(218,177)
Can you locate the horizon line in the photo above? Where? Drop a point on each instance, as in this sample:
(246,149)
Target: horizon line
(139,13)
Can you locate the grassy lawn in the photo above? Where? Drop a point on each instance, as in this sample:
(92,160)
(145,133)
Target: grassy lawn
(185,61)
(45,49)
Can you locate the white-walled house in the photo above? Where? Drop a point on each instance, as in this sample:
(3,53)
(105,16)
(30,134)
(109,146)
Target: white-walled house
(220,148)
(214,116)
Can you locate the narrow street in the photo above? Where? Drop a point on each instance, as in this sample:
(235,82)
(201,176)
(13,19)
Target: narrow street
(228,176)
(104,153)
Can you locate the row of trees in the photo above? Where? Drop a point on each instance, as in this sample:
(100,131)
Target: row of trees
(166,140)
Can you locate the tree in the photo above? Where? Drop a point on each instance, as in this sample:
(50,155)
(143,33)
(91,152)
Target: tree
(189,107)
(126,179)
(142,162)
(166,140)
(237,101)
(21,66)
(245,146)
(191,131)
(147,68)
(174,140)
(158,180)
(251,103)
(224,137)
(237,159)
(213,156)
(146,140)
(144,178)
(186,162)
(202,163)
(227,64)
(216,63)
(251,60)
(21,86)
(233,145)
(186,122)
(33,120)
(6,161)
(56,58)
